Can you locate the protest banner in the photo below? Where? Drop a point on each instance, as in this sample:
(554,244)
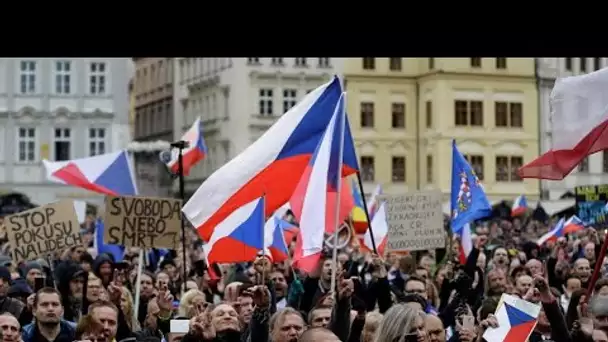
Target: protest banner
(591,204)
(142,221)
(43,230)
(415,221)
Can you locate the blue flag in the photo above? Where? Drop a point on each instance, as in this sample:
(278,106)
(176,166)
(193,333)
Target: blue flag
(116,251)
(468,198)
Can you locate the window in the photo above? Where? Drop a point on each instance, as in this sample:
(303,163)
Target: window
(476,113)
(367,168)
(277,60)
(367,114)
(506,168)
(253,60)
(508,114)
(28,77)
(27,144)
(476,62)
(461,113)
(97,141)
(62,77)
(398,169)
(605,162)
(289,99)
(395,63)
(569,64)
(62,144)
(97,78)
(583,64)
(429,169)
(398,115)
(369,63)
(429,114)
(584,165)
(476,163)
(501,63)
(431,63)
(301,61)
(324,62)
(265,101)
(597,63)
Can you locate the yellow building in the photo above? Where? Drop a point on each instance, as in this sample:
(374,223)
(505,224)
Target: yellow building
(404,113)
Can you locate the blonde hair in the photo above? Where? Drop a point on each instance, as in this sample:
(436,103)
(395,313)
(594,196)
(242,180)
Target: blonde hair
(397,322)
(131,321)
(278,317)
(372,322)
(186,302)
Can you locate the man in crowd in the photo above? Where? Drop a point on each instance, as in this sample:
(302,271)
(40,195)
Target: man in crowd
(48,326)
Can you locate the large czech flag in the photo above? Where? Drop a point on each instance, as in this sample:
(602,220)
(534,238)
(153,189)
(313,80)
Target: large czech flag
(272,166)
(196,151)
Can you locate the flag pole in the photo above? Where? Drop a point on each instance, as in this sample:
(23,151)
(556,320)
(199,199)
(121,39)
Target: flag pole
(334,263)
(181,145)
(369,222)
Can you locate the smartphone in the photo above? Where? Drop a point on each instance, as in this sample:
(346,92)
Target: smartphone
(468,322)
(38,283)
(175,304)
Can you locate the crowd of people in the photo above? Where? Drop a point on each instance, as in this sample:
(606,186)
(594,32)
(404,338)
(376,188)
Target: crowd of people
(423,296)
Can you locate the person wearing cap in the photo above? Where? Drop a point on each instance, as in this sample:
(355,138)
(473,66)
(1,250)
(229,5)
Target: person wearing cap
(31,270)
(7,304)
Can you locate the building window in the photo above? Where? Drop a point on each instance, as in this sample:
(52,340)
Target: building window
(367,114)
(324,62)
(501,63)
(97,141)
(395,63)
(476,163)
(569,64)
(253,60)
(584,165)
(508,114)
(597,63)
(476,62)
(367,168)
(277,61)
(301,61)
(583,64)
(27,144)
(431,63)
(369,63)
(605,162)
(265,101)
(63,72)
(62,144)
(28,77)
(398,115)
(506,168)
(468,113)
(429,169)
(429,114)
(398,169)
(289,99)
(97,78)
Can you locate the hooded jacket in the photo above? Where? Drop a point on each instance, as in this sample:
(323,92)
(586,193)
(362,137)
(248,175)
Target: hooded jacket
(99,261)
(64,273)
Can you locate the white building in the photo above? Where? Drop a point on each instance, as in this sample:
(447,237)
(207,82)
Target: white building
(238,99)
(59,109)
(593,170)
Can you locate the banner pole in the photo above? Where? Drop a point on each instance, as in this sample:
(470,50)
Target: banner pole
(140,268)
(182,195)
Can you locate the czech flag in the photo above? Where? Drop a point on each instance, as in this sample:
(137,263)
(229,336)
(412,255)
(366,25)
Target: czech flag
(579,119)
(109,174)
(553,234)
(271,166)
(517,319)
(314,201)
(239,237)
(468,200)
(196,151)
(380,228)
(274,239)
(520,206)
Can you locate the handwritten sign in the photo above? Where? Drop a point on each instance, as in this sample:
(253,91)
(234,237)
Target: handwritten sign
(590,204)
(415,221)
(43,230)
(142,221)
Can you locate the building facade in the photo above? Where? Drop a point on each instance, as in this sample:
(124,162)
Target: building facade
(594,169)
(59,109)
(154,115)
(238,99)
(405,112)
